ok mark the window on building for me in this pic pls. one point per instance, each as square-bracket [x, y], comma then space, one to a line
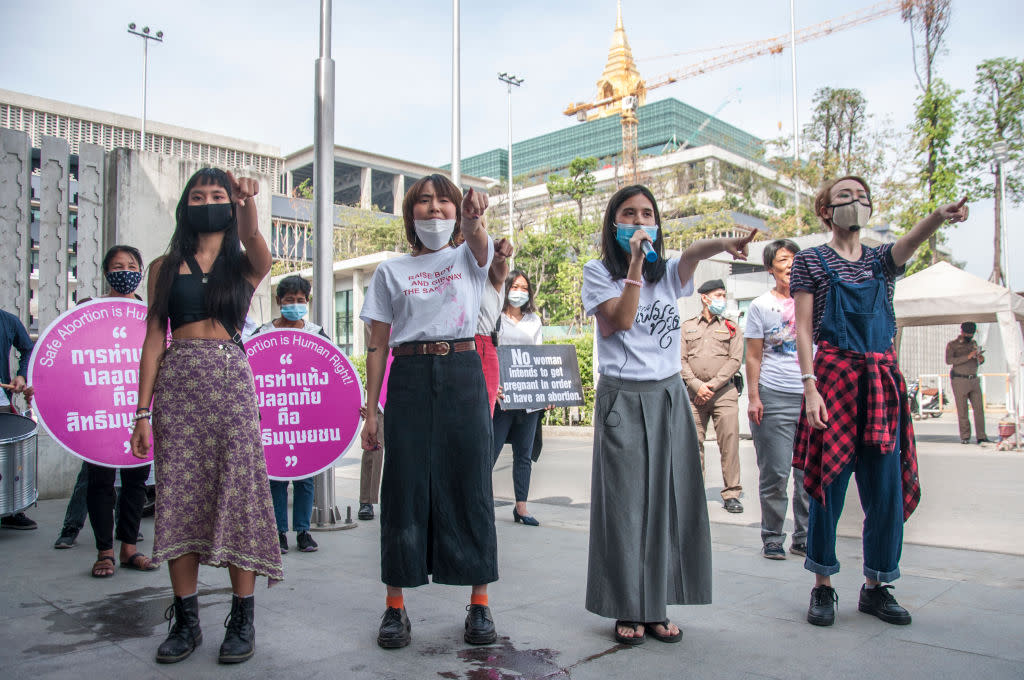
[343, 320]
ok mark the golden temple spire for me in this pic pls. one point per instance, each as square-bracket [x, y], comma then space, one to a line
[620, 77]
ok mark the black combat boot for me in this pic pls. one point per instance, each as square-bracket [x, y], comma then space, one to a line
[240, 638]
[184, 635]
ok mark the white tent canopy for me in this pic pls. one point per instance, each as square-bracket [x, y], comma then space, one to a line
[943, 294]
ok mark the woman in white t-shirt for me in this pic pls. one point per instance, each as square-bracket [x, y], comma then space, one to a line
[437, 505]
[650, 544]
[520, 325]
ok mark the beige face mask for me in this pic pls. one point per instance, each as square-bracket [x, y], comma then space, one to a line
[851, 216]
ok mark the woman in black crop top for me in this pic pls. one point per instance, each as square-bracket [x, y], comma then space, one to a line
[213, 503]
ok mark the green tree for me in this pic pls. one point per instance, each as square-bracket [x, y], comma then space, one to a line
[553, 258]
[578, 185]
[935, 114]
[996, 113]
[836, 131]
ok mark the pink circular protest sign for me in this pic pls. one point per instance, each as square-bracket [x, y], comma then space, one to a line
[309, 396]
[85, 373]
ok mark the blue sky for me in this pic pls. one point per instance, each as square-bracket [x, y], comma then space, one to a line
[246, 68]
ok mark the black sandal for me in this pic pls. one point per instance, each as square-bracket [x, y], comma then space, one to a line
[97, 565]
[622, 639]
[660, 637]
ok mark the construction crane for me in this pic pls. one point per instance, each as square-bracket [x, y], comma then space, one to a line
[630, 100]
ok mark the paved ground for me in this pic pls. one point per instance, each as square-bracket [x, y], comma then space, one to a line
[963, 581]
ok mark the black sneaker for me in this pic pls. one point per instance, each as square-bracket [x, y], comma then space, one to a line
[798, 549]
[395, 629]
[733, 505]
[878, 601]
[282, 538]
[822, 611]
[365, 511]
[774, 551]
[479, 625]
[306, 542]
[18, 521]
[66, 539]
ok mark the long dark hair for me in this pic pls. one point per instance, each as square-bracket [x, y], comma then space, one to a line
[512, 276]
[614, 257]
[228, 291]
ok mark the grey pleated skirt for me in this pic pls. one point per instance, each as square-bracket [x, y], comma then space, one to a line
[650, 543]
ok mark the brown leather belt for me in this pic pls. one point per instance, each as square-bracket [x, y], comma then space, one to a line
[961, 375]
[441, 348]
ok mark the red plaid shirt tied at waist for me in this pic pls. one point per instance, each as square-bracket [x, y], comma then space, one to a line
[822, 454]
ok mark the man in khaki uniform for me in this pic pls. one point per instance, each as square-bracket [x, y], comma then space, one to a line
[712, 348]
[964, 357]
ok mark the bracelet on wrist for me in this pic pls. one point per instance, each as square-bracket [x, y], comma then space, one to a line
[142, 416]
[633, 282]
[808, 376]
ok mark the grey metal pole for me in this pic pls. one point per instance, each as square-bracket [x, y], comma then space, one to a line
[146, 37]
[796, 119]
[145, 78]
[325, 512]
[1003, 232]
[509, 81]
[456, 103]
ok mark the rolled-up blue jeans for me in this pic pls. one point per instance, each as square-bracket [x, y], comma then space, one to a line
[880, 486]
[302, 503]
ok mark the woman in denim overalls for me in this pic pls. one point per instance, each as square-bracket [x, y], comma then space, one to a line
[856, 420]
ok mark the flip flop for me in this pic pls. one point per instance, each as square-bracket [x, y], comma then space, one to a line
[650, 628]
[133, 563]
[96, 565]
[622, 639]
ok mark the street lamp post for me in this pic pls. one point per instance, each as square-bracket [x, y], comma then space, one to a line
[1000, 154]
[509, 81]
[146, 37]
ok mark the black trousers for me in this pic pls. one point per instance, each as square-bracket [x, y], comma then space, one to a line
[101, 496]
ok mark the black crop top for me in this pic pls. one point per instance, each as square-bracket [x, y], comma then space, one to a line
[187, 302]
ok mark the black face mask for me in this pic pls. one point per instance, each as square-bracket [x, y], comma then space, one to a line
[211, 217]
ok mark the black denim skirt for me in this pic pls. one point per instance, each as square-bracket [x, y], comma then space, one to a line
[436, 501]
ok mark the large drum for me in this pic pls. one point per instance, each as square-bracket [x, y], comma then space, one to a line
[18, 463]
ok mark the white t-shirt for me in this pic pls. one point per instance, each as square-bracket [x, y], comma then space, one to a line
[435, 296]
[525, 332]
[490, 309]
[774, 321]
[308, 327]
[649, 350]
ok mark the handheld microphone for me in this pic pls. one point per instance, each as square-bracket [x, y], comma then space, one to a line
[648, 251]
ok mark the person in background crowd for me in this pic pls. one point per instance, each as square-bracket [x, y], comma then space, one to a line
[856, 418]
[712, 351]
[650, 543]
[122, 267]
[776, 400]
[293, 298]
[437, 504]
[213, 503]
[520, 325]
[13, 334]
[964, 358]
[488, 324]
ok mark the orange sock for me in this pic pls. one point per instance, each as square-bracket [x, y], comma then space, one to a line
[478, 599]
[397, 602]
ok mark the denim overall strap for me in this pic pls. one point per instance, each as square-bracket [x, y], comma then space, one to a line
[858, 316]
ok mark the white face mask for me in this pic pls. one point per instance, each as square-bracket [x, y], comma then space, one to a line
[517, 298]
[852, 215]
[434, 234]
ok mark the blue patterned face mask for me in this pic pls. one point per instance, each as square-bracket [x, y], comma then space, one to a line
[624, 232]
[124, 281]
[294, 312]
